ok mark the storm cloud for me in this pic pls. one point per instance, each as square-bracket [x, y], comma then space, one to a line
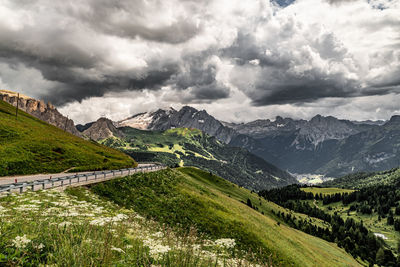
[201, 52]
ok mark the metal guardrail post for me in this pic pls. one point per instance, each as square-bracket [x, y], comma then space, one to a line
[43, 186]
[33, 187]
[95, 176]
[21, 189]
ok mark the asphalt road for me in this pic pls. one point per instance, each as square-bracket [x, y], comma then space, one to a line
[29, 178]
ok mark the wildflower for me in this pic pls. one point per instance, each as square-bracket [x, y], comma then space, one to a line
[225, 242]
[117, 250]
[40, 246]
[158, 234]
[21, 241]
[64, 224]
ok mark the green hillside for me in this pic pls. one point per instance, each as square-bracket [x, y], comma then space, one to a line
[188, 197]
[29, 145]
[365, 179]
[191, 147]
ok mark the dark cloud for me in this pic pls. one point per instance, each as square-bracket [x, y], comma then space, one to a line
[89, 48]
[198, 74]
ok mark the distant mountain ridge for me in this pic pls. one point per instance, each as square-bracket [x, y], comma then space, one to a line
[189, 117]
[192, 147]
[318, 145]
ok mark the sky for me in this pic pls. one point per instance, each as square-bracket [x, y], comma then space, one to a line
[239, 60]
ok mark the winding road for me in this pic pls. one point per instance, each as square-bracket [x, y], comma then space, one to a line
[61, 180]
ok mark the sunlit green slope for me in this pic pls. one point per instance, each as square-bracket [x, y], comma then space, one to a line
[189, 197]
[29, 145]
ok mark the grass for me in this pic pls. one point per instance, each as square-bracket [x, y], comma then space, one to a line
[326, 190]
[189, 197]
[29, 146]
[77, 228]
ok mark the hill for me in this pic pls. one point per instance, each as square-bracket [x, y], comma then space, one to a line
[29, 145]
[188, 197]
[192, 147]
[365, 179]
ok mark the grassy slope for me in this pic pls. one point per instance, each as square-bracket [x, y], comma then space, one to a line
[360, 180]
[189, 196]
[191, 147]
[29, 145]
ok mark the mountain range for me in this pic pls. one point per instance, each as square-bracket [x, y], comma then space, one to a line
[321, 145]
[192, 147]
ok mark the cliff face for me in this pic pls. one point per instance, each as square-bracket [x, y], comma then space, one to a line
[41, 110]
[103, 128]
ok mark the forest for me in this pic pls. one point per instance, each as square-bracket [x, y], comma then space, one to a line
[352, 235]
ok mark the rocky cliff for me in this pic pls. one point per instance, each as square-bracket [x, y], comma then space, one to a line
[186, 117]
[41, 110]
[101, 129]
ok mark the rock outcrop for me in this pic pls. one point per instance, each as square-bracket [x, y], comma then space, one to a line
[41, 110]
[101, 129]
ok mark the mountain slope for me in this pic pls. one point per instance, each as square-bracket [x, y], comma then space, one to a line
[29, 145]
[377, 149]
[101, 129]
[41, 110]
[191, 147]
[190, 197]
[299, 146]
[365, 179]
[187, 117]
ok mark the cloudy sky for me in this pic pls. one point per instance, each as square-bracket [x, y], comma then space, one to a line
[239, 60]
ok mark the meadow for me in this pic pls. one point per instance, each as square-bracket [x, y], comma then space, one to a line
[77, 228]
[186, 197]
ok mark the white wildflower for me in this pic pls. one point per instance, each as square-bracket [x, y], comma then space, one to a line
[117, 249]
[64, 224]
[21, 241]
[225, 242]
[40, 246]
[158, 234]
[31, 207]
[155, 246]
[137, 216]
[119, 217]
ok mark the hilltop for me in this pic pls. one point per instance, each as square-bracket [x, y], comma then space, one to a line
[29, 146]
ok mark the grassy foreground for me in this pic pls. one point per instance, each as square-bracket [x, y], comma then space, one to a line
[189, 197]
[29, 146]
[77, 228]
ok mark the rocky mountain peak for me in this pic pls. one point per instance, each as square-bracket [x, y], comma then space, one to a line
[395, 119]
[101, 129]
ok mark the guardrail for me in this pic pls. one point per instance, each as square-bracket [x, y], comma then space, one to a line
[74, 179]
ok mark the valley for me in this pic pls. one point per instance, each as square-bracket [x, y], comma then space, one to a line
[224, 203]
